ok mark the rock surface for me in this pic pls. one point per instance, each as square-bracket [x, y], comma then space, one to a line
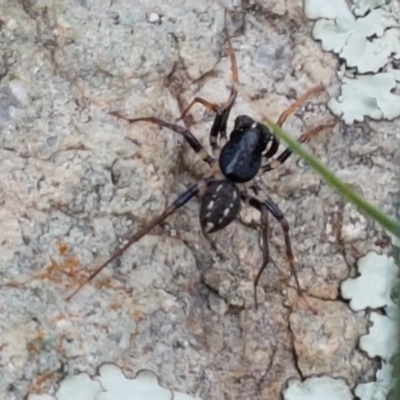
[76, 181]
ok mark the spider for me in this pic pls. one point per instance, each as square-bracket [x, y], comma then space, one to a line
[235, 162]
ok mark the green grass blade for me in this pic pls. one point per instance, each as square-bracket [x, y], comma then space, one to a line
[366, 208]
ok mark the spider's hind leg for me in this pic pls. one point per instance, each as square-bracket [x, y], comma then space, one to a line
[265, 207]
[178, 203]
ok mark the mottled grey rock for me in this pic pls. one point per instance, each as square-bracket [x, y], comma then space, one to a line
[76, 182]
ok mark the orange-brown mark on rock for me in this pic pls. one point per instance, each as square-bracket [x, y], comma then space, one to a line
[114, 306]
[137, 314]
[71, 267]
[62, 248]
[43, 383]
[105, 283]
[33, 347]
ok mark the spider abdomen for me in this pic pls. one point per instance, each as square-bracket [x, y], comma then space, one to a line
[220, 205]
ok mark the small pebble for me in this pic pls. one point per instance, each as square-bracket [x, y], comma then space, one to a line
[153, 18]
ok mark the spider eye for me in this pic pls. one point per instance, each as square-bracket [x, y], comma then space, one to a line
[219, 206]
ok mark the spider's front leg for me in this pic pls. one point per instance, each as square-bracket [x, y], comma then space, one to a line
[218, 129]
[188, 136]
[298, 103]
[304, 138]
[265, 207]
[273, 164]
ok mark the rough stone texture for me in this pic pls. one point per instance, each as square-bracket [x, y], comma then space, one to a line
[326, 344]
[76, 181]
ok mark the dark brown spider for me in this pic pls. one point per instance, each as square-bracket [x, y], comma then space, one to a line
[240, 160]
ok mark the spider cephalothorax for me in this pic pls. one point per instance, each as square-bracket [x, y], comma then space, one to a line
[240, 160]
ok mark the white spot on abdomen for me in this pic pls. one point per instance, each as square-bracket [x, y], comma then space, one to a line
[209, 226]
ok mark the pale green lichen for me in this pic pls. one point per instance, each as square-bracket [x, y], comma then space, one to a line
[368, 41]
[378, 389]
[372, 289]
[362, 7]
[382, 337]
[111, 384]
[318, 388]
[367, 95]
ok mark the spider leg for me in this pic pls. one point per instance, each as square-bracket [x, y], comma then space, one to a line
[273, 149]
[283, 117]
[265, 240]
[179, 202]
[189, 137]
[210, 106]
[218, 129]
[305, 137]
[270, 206]
[299, 102]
